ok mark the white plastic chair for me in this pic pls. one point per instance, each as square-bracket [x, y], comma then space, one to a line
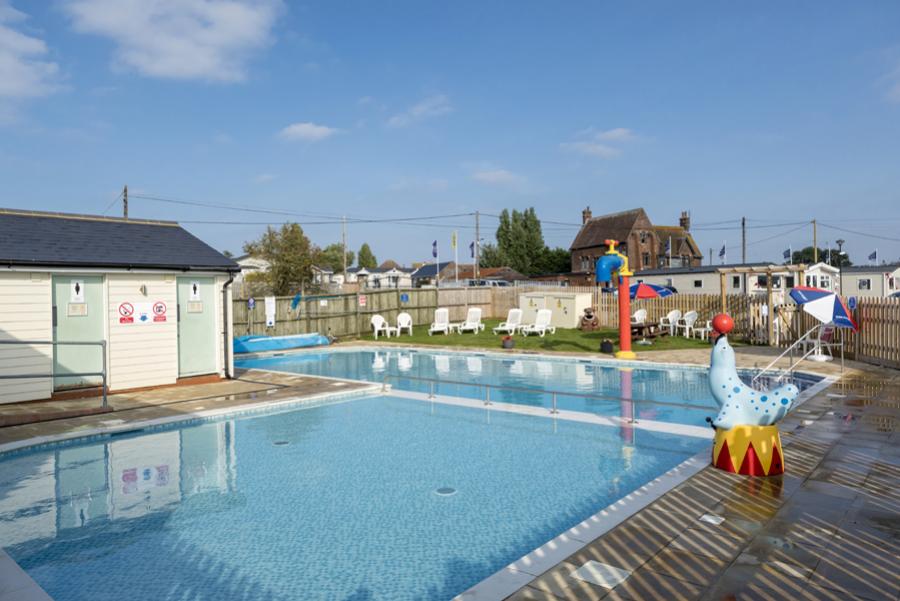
[472, 322]
[512, 324]
[380, 326]
[441, 321]
[404, 322]
[686, 323]
[702, 332]
[670, 321]
[541, 324]
[640, 316]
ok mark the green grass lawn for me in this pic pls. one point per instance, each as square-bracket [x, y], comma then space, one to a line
[564, 340]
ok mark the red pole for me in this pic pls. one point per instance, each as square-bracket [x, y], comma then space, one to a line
[624, 320]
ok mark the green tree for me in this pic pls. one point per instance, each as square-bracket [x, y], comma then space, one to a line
[520, 245]
[290, 256]
[835, 259]
[330, 257]
[227, 254]
[365, 257]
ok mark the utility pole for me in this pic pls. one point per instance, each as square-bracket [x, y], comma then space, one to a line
[477, 243]
[344, 244]
[815, 243]
[125, 202]
[743, 240]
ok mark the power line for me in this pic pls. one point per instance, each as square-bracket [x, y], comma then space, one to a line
[867, 234]
[109, 206]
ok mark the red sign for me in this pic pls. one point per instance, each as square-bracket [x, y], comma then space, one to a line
[159, 311]
[126, 313]
[128, 319]
[362, 300]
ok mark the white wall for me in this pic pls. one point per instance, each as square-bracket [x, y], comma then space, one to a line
[142, 355]
[880, 283]
[25, 314]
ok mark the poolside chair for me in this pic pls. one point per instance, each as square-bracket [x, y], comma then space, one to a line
[541, 324]
[441, 321]
[824, 340]
[512, 324]
[472, 322]
[380, 326]
[686, 323]
[702, 332]
[670, 321]
[404, 322]
[640, 316]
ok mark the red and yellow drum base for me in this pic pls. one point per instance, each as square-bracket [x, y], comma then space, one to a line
[749, 450]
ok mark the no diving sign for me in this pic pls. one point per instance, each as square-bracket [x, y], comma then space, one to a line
[126, 313]
[159, 311]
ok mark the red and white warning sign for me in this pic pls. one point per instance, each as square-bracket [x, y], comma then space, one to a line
[126, 313]
[362, 300]
[159, 311]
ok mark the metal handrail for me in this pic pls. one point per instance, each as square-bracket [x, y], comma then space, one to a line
[102, 373]
[553, 393]
[790, 350]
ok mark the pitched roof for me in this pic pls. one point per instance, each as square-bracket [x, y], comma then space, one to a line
[696, 269]
[679, 236]
[65, 240]
[885, 268]
[428, 270]
[615, 226]
[490, 273]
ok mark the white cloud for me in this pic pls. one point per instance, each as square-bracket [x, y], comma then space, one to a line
[208, 40]
[433, 106]
[24, 70]
[307, 131]
[599, 143]
[592, 149]
[498, 177]
[264, 178]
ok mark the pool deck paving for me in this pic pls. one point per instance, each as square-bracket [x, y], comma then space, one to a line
[827, 529]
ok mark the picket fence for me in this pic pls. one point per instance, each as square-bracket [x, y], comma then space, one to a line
[343, 315]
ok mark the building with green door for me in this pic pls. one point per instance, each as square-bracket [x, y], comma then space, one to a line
[144, 301]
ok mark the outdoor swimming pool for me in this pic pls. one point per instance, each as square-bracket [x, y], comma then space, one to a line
[667, 394]
[366, 498]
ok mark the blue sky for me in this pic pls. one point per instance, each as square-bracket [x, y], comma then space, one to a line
[780, 112]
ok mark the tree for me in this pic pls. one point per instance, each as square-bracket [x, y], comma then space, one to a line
[290, 257]
[520, 245]
[365, 258]
[330, 257]
[227, 254]
[832, 258]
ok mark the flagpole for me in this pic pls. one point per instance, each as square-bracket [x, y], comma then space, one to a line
[456, 256]
[437, 267]
[670, 251]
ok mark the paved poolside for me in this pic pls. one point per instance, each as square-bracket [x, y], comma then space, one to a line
[827, 529]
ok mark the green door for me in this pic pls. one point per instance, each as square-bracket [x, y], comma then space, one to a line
[78, 314]
[196, 326]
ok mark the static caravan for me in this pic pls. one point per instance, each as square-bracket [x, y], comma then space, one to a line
[871, 280]
[144, 301]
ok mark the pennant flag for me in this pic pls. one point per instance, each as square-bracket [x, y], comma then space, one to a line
[722, 252]
[669, 245]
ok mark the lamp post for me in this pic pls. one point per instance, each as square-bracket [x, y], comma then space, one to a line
[840, 243]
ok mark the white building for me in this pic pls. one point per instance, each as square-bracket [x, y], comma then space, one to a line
[158, 297]
[391, 277]
[249, 265]
[705, 279]
[871, 280]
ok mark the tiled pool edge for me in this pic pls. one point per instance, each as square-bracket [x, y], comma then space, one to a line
[205, 415]
[506, 581]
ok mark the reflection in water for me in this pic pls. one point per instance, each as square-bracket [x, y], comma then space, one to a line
[52, 495]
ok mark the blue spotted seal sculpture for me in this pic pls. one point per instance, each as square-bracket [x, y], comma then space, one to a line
[739, 404]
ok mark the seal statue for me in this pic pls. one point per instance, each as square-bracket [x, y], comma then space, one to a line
[738, 403]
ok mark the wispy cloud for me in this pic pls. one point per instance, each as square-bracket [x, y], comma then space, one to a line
[24, 70]
[498, 177]
[210, 40]
[893, 85]
[307, 131]
[264, 178]
[602, 144]
[433, 106]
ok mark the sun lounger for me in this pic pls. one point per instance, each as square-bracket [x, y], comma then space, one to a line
[441, 322]
[541, 324]
[512, 324]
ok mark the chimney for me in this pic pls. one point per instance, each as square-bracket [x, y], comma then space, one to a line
[585, 215]
[685, 221]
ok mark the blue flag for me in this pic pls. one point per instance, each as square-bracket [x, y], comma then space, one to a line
[295, 301]
[472, 249]
[434, 249]
[873, 256]
[722, 252]
[786, 254]
[669, 245]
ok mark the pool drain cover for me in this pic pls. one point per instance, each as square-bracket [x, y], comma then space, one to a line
[445, 491]
[280, 443]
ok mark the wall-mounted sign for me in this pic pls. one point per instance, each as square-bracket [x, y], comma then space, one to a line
[323, 302]
[362, 300]
[404, 298]
[76, 310]
[126, 313]
[195, 307]
[195, 291]
[851, 303]
[251, 302]
[76, 291]
[270, 311]
[159, 311]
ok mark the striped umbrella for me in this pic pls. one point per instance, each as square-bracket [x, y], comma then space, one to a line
[642, 290]
[824, 305]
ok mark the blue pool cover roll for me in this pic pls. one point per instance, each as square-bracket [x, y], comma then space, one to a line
[259, 344]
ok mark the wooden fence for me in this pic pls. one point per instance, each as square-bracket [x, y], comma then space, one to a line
[340, 315]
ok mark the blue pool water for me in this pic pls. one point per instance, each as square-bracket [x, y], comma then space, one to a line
[331, 502]
[670, 395]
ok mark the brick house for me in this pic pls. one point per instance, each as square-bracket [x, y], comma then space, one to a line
[646, 246]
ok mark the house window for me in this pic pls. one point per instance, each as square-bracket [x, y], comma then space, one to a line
[864, 284]
[585, 263]
[645, 260]
[824, 282]
[735, 281]
[762, 281]
[891, 283]
[643, 237]
[789, 281]
[698, 283]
